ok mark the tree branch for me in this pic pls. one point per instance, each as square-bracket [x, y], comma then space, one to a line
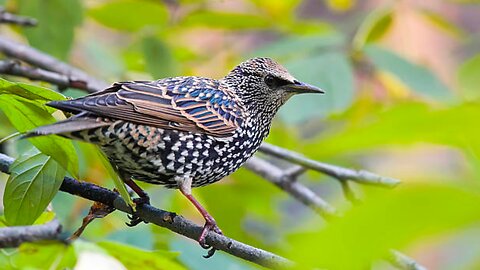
[39, 59]
[287, 183]
[166, 219]
[403, 262]
[9, 18]
[15, 68]
[340, 173]
[14, 236]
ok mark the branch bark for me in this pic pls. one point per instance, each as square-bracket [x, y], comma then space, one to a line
[287, 183]
[403, 262]
[167, 220]
[39, 59]
[14, 236]
[340, 173]
[15, 68]
[9, 18]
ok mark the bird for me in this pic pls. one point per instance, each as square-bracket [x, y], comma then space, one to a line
[181, 132]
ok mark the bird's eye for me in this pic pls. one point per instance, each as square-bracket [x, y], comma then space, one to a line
[270, 81]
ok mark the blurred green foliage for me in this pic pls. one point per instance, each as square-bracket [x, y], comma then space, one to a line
[57, 20]
[383, 221]
[402, 88]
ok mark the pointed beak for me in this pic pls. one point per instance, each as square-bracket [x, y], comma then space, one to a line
[298, 87]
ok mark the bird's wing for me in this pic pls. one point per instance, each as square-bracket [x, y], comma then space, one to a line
[183, 103]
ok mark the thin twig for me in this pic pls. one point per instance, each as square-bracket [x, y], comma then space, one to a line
[360, 176]
[9, 18]
[285, 182]
[39, 59]
[13, 67]
[167, 220]
[14, 236]
[404, 262]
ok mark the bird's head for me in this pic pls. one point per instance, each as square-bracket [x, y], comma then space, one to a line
[264, 85]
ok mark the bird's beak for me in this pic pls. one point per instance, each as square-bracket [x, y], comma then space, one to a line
[298, 87]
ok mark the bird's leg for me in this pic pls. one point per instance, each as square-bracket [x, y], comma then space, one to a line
[143, 199]
[210, 223]
[143, 196]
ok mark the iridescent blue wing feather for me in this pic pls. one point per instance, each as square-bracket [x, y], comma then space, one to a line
[183, 103]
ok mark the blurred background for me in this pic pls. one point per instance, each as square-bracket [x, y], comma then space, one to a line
[402, 82]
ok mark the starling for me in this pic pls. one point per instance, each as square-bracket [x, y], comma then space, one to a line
[181, 132]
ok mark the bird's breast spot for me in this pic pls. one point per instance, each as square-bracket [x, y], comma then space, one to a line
[171, 166]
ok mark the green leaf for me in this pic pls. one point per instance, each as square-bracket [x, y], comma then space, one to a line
[385, 220]
[104, 60]
[135, 258]
[469, 78]
[28, 91]
[130, 15]
[374, 27]
[119, 184]
[295, 46]
[34, 180]
[5, 259]
[329, 71]
[277, 10]
[25, 115]
[307, 27]
[158, 57]
[45, 217]
[224, 20]
[416, 77]
[375, 126]
[443, 23]
[341, 5]
[57, 20]
[48, 255]
[465, 1]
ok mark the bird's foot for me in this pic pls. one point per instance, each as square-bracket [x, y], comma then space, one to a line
[210, 225]
[134, 218]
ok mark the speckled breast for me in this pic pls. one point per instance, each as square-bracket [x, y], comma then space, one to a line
[156, 155]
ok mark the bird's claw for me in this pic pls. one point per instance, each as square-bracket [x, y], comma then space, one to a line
[134, 218]
[209, 226]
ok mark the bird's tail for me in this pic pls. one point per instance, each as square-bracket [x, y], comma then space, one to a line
[68, 126]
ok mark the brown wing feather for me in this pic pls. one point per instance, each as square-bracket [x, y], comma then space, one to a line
[183, 103]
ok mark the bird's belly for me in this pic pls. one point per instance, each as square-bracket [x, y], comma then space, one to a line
[156, 155]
